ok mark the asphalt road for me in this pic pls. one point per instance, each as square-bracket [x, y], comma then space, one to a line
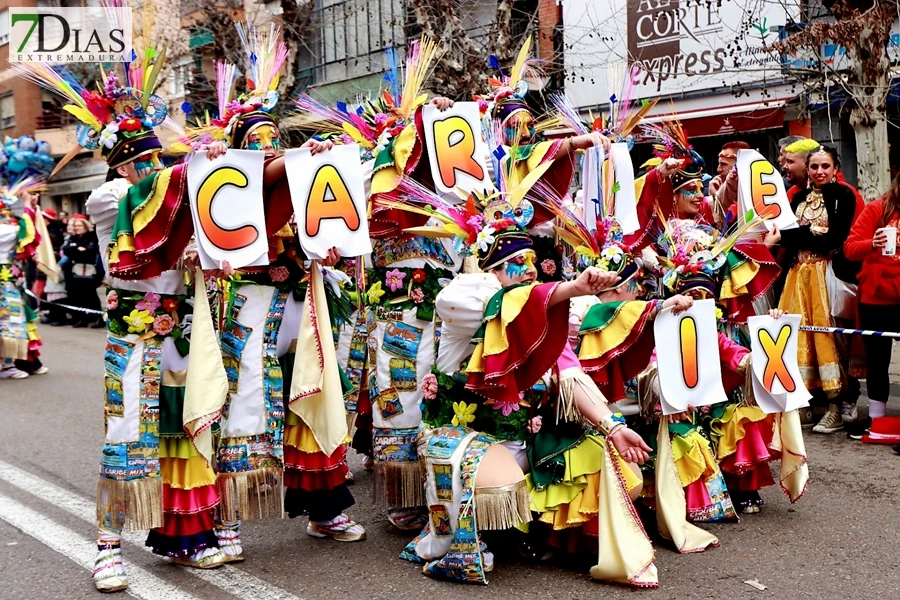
[838, 541]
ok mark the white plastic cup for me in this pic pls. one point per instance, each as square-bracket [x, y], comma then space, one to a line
[890, 248]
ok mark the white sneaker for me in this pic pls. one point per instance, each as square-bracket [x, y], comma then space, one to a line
[12, 373]
[831, 422]
[109, 570]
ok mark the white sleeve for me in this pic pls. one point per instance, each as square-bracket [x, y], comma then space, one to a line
[460, 306]
[578, 308]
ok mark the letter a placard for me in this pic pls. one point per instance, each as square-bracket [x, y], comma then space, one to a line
[456, 148]
[687, 356]
[777, 383]
[227, 206]
[761, 189]
[329, 200]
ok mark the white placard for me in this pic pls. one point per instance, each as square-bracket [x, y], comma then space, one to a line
[456, 148]
[761, 188]
[777, 383]
[625, 209]
[592, 186]
[329, 199]
[687, 355]
[226, 197]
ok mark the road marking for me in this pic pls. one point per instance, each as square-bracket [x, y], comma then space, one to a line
[141, 584]
[234, 581]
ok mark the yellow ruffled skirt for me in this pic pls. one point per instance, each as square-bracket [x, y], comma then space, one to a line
[805, 293]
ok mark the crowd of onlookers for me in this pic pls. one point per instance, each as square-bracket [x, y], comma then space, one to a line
[74, 300]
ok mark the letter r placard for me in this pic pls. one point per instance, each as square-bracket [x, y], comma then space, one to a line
[457, 152]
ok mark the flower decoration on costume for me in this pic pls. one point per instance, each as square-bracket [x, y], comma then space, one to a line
[418, 276]
[394, 279]
[169, 305]
[163, 324]
[429, 386]
[506, 408]
[485, 238]
[108, 136]
[138, 321]
[279, 273]
[112, 300]
[150, 302]
[463, 413]
[375, 293]
[548, 267]
[417, 296]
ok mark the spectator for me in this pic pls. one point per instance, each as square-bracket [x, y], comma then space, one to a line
[783, 143]
[55, 292]
[727, 159]
[824, 211]
[63, 217]
[879, 290]
[82, 275]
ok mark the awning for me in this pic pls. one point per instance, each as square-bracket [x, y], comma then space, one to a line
[75, 186]
[729, 119]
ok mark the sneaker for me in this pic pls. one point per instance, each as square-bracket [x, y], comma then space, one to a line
[41, 371]
[849, 413]
[208, 558]
[407, 519]
[856, 430]
[109, 570]
[12, 373]
[806, 417]
[369, 464]
[341, 529]
[487, 558]
[349, 479]
[897, 449]
[830, 423]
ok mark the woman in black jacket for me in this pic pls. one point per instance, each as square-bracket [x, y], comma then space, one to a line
[824, 213]
[82, 273]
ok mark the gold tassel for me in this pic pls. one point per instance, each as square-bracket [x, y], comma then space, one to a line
[502, 507]
[399, 484]
[14, 348]
[251, 495]
[138, 501]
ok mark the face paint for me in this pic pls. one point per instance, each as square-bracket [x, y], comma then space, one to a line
[264, 137]
[147, 164]
[520, 265]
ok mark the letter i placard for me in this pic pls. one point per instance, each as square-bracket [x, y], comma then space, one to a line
[329, 199]
[456, 149]
[227, 208]
[687, 356]
[777, 383]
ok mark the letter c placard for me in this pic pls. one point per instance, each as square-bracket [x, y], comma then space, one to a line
[225, 239]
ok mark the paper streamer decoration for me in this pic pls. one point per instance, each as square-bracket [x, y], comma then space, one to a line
[329, 198]
[625, 207]
[761, 189]
[687, 354]
[226, 199]
[777, 383]
[456, 149]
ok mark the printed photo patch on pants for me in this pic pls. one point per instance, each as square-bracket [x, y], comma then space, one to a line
[440, 520]
[389, 403]
[443, 481]
[402, 339]
[403, 374]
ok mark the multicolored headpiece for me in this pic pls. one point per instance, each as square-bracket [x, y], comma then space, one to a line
[670, 141]
[694, 258]
[507, 95]
[9, 194]
[119, 119]
[240, 116]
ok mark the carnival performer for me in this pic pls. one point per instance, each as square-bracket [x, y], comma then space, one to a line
[259, 449]
[20, 239]
[151, 476]
[816, 267]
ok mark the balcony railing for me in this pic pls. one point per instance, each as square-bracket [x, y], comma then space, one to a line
[55, 120]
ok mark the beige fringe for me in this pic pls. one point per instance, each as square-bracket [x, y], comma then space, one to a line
[251, 495]
[14, 348]
[502, 507]
[566, 407]
[138, 501]
[399, 484]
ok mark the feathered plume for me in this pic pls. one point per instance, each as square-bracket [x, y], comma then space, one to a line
[420, 57]
[266, 53]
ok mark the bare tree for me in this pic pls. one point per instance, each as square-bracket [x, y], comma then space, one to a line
[865, 81]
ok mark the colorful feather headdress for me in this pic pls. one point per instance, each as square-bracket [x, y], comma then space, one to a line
[375, 121]
[9, 194]
[670, 141]
[507, 95]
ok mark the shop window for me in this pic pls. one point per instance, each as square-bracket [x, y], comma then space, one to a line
[7, 111]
